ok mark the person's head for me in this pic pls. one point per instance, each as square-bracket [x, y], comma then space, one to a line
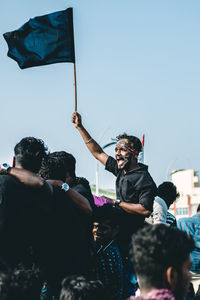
[23, 284]
[127, 150]
[105, 224]
[198, 209]
[161, 256]
[79, 288]
[5, 272]
[59, 165]
[29, 153]
[168, 192]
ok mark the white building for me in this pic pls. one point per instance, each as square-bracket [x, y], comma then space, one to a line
[188, 185]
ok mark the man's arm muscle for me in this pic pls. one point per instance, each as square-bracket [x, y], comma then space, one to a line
[91, 144]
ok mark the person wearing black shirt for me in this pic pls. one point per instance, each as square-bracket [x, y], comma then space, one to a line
[60, 166]
[67, 250]
[135, 188]
[24, 211]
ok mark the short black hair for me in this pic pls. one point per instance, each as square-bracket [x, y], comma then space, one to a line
[132, 140]
[168, 192]
[157, 247]
[198, 208]
[107, 212]
[57, 164]
[30, 152]
[79, 288]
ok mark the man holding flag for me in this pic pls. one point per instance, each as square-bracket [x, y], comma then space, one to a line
[135, 188]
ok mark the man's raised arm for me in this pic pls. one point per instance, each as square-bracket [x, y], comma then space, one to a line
[93, 147]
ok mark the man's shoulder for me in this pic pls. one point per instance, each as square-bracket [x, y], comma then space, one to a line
[112, 250]
[185, 223]
[196, 217]
[9, 182]
[142, 178]
[160, 201]
[8, 179]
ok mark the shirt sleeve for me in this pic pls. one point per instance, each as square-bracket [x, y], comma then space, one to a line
[146, 198]
[146, 191]
[111, 165]
[159, 212]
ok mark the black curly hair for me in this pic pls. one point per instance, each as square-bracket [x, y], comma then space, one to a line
[133, 141]
[157, 247]
[23, 283]
[79, 288]
[30, 152]
[57, 164]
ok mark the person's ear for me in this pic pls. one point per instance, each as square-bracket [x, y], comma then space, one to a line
[171, 278]
[68, 178]
[14, 161]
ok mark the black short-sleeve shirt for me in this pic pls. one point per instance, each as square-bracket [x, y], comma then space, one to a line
[24, 220]
[136, 186]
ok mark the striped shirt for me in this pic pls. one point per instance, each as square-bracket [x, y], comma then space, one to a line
[171, 220]
[192, 226]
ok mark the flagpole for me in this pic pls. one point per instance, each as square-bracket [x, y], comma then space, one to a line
[75, 87]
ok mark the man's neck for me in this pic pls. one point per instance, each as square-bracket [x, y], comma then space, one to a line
[106, 244]
[133, 166]
[18, 166]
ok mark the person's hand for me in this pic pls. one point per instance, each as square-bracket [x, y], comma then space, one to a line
[108, 199]
[55, 182]
[76, 119]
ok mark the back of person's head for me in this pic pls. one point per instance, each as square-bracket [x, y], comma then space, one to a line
[79, 288]
[155, 249]
[29, 153]
[168, 192]
[24, 284]
[57, 164]
[198, 208]
[133, 142]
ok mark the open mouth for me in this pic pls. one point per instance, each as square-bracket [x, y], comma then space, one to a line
[120, 162]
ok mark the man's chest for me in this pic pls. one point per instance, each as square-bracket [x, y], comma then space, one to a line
[127, 189]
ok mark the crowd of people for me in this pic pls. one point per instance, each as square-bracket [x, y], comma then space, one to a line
[57, 243]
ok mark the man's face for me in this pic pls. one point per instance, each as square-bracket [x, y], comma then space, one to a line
[183, 281]
[103, 233]
[123, 155]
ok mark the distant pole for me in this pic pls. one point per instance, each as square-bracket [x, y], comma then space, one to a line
[75, 87]
[97, 178]
[168, 168]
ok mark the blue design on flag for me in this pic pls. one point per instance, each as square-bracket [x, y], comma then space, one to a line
[43, 40]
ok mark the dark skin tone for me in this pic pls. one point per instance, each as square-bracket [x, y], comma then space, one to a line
[103, 232]
[120, 154]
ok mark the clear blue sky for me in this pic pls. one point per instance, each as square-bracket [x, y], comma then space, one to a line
[138, 71]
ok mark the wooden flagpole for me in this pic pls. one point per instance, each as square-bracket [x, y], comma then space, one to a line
[75, 87]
